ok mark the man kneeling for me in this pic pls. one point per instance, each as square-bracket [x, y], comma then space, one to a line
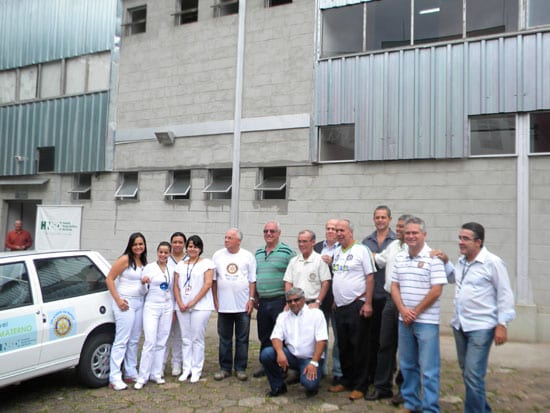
[298, 341]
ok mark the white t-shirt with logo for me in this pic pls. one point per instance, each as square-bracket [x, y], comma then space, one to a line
[233, 274]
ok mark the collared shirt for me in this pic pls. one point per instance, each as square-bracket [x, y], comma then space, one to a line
[329, 250]
[386, 259]
[270, 270]
[416, 276]
[16, 239]
[483, 296]
[307, 274]
[371, 242]
[350, 267]
[300, 332]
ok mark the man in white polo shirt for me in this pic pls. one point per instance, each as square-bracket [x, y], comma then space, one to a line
[417, 283]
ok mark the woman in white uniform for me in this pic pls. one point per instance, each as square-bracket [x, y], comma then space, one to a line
[192, 289]
[157, 317]
[127, 293]
[178, 241]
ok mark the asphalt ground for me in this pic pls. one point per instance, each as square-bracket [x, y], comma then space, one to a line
[518, 380]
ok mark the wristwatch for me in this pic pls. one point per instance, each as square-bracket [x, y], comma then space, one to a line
[318, 301]
[314, 363]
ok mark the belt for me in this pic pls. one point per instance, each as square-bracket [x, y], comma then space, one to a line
[271, 298]
[310, 301]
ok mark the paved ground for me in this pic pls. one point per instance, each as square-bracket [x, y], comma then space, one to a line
[518, 381]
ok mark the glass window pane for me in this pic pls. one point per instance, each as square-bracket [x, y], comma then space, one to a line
[540, 132]
[75, 82]
[437, 20]
[50, 80]
[7, 86]
[538, 12]
[99, 66]
[388, 24]
[491, 16]
[337, 143]
[15, 290]
[342, 30]
[493, 135]
[27, 87]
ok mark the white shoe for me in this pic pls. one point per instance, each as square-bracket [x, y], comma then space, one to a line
[195, 377]
[118, 385]
[184, 376]
[138, 385]
[158, 380]
[176, 371]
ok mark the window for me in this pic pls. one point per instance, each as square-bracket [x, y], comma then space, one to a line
[225, 7]
[28, 81]
[272, 183]
[273, 3]
[538, 13]
[342, 30]
[46, 159]
[219, 186]
[68, 277]
[83, 187]
[493, 135]
[539, 132]
[137, 18]
[188, 11]
[75, 76]
[482, 20]
[50, 80]
[99, 71]
[128, 187]
[336, 143]
[180, 185]
[388, 24]
[436, 20]
[15, 290]
[8, 80]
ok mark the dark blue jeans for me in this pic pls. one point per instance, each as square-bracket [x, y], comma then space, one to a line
[268, 310]
[268, 358]
[227, 324]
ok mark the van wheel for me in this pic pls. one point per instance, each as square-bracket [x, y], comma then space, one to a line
[93, 369]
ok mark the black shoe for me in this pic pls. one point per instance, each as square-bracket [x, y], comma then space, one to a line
[311, 393]
[336, 380]
[277, 392]
[397, 399]
[259, 373]
[377, 395]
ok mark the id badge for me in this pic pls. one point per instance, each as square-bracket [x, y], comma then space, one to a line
[187, 290]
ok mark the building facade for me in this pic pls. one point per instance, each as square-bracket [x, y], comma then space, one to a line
[224, 112]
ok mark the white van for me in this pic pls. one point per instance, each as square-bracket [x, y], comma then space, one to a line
[55, 313]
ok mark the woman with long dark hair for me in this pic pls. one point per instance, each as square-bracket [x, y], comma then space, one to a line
[126, 287]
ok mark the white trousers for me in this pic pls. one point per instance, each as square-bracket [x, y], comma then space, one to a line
[128, 332]
[157, 318]
[174, 342]
[193, 327]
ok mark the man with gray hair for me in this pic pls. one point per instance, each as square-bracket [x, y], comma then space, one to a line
[417, 283]
[233, 290]
[308, 271]
[298, 341]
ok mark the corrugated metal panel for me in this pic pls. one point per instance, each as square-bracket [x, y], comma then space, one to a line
[76, 126]
[35, 31]
[415, 103]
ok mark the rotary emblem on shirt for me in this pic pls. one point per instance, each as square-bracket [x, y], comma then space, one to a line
[420, 264]
[232, 268]
[312, 276]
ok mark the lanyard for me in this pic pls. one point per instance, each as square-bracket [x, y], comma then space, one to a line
[189, 273]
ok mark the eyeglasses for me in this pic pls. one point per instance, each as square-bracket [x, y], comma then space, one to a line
[462, 238]
[293, 300]
[270, 231]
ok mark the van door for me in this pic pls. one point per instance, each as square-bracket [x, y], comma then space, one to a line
[21, 323]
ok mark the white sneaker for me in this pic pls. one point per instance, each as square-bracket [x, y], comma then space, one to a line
[158, 380]
[138, 385]
[195, 377]
[184, 376]
[118, 385]
[176, 371]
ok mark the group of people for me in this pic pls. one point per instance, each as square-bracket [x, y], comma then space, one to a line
[381, 296]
